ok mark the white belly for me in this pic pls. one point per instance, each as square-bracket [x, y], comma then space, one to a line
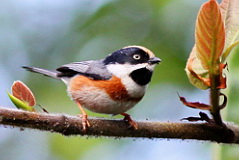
[98, 101]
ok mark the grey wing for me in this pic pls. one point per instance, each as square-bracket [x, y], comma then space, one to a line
[93, 69]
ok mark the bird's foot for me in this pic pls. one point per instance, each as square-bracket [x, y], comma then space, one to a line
[132, 124]
[85, 122]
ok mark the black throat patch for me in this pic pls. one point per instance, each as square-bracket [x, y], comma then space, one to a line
[141, 76]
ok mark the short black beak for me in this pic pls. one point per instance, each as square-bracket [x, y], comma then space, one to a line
[154, 60]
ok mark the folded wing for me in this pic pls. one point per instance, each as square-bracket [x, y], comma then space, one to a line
[93, 69]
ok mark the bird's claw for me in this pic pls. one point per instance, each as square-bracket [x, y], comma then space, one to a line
[85, 122]
[130, 121]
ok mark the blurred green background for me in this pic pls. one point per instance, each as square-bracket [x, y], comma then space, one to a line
[48, 34]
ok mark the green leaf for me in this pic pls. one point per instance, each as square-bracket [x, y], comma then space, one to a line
[20, 104]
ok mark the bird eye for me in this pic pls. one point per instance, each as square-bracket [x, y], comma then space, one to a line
[136, 56]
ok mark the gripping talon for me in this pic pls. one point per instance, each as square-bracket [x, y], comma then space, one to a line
[85, 122]
[84, 117]
[130, 121]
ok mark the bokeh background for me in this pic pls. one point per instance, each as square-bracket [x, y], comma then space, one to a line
[48, 34]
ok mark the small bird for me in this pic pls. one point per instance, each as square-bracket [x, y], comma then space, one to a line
[112, 85]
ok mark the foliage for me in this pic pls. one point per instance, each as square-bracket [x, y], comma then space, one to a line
[216, 34]
[22, 96]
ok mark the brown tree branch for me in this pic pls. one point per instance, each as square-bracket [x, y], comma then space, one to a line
[71, 125]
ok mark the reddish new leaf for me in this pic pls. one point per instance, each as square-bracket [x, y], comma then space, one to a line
[210, 34]
[197, 105]
[23, 93]
[195, 78]
[230, 14]
[204, 60]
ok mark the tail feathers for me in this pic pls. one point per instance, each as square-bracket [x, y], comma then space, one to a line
[45, 72]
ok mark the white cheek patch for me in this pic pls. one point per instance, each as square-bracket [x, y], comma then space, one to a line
[123, 71]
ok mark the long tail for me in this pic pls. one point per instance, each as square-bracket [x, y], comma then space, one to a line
[45, 72]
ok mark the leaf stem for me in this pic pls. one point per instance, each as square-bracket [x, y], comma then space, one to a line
[215, 98]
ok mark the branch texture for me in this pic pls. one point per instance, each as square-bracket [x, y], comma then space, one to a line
[71, 125]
